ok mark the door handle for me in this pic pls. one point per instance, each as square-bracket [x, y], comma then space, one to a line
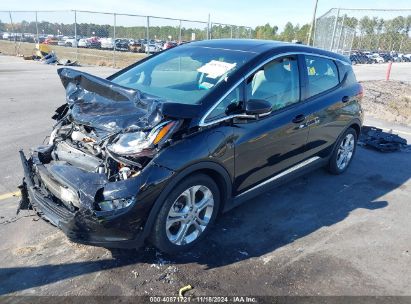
[345, 99]
[299, 118]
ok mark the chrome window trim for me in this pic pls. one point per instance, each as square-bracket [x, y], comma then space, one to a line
[202, 121]
[282, 174]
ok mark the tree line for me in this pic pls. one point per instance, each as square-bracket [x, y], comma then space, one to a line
[266, 31]
[370, 32]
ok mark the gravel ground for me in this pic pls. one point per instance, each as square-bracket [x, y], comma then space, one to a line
[317, 235]
[388, 100]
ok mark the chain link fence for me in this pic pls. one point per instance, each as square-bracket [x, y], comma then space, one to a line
[100, 38]
[366, 30]
[219, 30]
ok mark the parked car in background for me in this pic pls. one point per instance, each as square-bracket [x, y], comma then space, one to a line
[376, 58]
[94, 43]
[40, 39]
[71, 41]
[117, 172]
[354, 59]
[121, 44]
[150, 48]
[107, 43]
[360, 58]
[62, 41]
[387, 57]
[169, 45]
[51, 41]
[135, 46]
[83, 43]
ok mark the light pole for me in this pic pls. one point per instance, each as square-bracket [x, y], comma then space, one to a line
[312, 23]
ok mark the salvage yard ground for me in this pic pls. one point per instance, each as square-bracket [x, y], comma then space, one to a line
[83, 55]
[318, 235]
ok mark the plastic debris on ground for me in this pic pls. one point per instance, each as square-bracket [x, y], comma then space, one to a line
[183, 290]
[382, 141]
[44, 54]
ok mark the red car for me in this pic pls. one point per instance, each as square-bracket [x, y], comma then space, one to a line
[51, 41]
[169, 45]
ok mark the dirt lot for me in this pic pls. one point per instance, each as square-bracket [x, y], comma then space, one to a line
[318, 235]
[388, 100]
[82, 55]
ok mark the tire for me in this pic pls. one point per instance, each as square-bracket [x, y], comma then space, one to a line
[346, 145]
[169, 237]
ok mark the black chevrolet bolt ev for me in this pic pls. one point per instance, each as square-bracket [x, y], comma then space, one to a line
[159, 149]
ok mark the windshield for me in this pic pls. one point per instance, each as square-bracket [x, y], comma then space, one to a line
[183, 74]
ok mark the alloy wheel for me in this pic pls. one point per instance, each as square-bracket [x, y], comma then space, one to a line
[189, 215]
[345, 151]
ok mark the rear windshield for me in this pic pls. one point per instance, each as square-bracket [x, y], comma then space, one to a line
[184, 74]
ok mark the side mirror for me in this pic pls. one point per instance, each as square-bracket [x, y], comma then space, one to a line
[257, 107]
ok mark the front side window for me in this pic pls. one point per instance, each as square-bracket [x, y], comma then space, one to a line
[276, 82]
[184, 74]
[322, 74]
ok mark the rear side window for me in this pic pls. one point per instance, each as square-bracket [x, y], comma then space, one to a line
[322, 74]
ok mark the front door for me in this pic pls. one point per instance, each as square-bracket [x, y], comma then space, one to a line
[271, 144]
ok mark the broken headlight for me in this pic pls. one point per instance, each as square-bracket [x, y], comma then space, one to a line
[116, 204]
[136, 142]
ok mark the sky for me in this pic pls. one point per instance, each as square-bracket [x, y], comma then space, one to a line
[240, 12]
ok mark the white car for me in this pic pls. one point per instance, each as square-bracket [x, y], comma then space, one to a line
[152, 48]
[107, 43]
[82, 43]
[71, 42]
[377, 58]
[6, 36]
[61, 42]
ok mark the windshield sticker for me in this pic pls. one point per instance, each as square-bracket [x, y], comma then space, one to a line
[215, 68]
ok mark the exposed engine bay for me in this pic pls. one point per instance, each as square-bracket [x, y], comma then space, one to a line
[108, 129]
[118, 155]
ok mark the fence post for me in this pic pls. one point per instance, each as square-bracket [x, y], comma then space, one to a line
[335, 29]
[37, 29]
[13, 33]
[343, 43]
[339, 36]
[209, 27]
[312, 24]
[402, 40]
[75, 33]
[352, 40]
[148, 34]
[114, 41]
[179, 33]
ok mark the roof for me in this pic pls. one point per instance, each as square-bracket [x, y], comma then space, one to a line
[262, 46]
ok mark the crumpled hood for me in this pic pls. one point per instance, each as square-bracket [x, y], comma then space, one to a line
[102, 104]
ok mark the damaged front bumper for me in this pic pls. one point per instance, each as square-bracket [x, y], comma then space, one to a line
[81, 221]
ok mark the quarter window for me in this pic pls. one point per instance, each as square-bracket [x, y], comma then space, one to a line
[277, 82]
[232, 100]
[322, 74]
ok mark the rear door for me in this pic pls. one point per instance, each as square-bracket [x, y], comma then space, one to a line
[331, 103]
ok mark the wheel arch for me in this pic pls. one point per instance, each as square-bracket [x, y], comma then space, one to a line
[214, 170]
[356, 126]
